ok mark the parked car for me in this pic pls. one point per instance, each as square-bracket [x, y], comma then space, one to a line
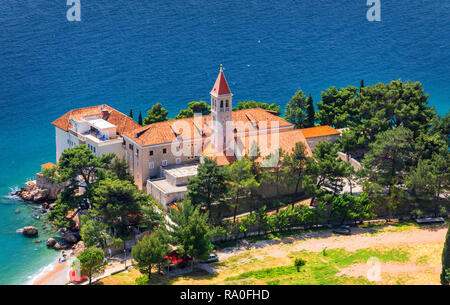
[213, 257]
[343, 230]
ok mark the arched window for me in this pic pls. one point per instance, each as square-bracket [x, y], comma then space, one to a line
[221, 104]
[226, 103]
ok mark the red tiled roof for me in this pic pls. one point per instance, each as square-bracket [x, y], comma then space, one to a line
[271, 142]
[48, 165]
[267, 144]
[190, 128]
[220, 86]
[320, 131]
[123, 122]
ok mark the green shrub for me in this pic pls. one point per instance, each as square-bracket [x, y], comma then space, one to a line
[299, 262]
[142, 280]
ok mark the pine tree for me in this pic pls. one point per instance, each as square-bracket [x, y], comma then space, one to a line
[310, 112]
[295, 111]
[140, 118]
[131, 113]
[445, 275]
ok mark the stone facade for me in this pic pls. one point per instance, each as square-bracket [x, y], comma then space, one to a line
[312, 142]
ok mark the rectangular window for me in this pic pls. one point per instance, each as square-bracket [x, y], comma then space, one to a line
[137, 152]
[178, 160]
[164, 150]
[130, 146]
[164, 163]
[137, 163]
[151, 165]
[151, 152]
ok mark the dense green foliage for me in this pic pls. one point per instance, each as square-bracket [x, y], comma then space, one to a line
[252, 104]
[338, 107]
[190, 231]
[156, 114]
[208, 186]
[296, 110]
[390, 156]
[150, 251]
[93, 233]
[310, 112]
[241, 181]
[194, 107]
[119, 167]
[78, 167]
[116, 202]
[92, 262]
[140, 121]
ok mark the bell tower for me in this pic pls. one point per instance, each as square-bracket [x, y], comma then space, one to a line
[221, 113]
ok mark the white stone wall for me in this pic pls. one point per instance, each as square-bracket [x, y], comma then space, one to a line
[64, 140]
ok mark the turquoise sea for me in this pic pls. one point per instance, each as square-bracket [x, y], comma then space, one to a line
[135, 53]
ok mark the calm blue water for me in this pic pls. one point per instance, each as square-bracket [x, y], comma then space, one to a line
[135, 53]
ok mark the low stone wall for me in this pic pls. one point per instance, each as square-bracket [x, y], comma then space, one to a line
[312, 142]
[355, 164]
[45, 183]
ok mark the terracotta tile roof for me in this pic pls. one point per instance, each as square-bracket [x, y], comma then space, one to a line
[267, 143]
[220, 86]
[270, 142]
[190, 128]
[319, 131]
[123, 122]
[48, 165]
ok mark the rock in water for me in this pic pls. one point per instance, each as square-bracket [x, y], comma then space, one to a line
[30, 231]
[51, 242]
[58, 246]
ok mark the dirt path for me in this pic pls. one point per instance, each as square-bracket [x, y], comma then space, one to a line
[360, 239]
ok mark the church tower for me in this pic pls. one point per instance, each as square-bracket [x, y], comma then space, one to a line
[221, 113]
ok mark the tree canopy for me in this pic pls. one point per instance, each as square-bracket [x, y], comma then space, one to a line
[391, 154]
[208, 186]
[117, 201]
[194, 107]
[253, 104]
[190, 231]
[150, 251]
[156, 114]
[296, 110]
[92, 262]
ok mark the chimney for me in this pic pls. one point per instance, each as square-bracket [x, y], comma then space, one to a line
[105, 112]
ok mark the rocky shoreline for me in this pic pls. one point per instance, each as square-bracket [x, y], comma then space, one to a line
[70, 239]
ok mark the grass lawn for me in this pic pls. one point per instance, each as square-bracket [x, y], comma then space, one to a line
[412, 263]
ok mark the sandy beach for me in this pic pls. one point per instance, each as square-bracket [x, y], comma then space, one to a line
[57, 275]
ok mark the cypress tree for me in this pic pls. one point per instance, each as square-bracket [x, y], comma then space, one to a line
[445, 275]
[131, 113]
[140, 118]
[361, 85]
[310, 112]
